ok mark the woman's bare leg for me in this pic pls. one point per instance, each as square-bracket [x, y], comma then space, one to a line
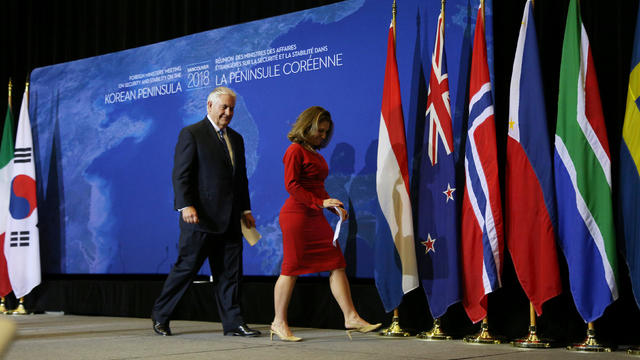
[281, 297]
[342, 293]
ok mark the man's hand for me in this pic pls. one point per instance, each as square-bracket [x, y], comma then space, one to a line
[190, 215]
[248, 220]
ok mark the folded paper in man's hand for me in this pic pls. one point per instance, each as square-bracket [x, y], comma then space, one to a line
[250, 234]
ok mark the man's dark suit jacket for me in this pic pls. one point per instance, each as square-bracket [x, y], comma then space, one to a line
[203, 177]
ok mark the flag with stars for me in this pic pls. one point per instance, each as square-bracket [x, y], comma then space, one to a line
[530, 211]
[437, 210]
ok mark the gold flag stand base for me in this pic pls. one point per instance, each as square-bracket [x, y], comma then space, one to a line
[20, 310]
[3, 308]
[435, 333]
[532, 341]
[634, 350]
[590, 344]
[394, 330]
[483, 337]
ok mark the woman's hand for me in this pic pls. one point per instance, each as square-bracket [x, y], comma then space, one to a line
[344, 215]
[328, 203]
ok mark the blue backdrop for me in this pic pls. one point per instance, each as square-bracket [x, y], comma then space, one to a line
[105, 127]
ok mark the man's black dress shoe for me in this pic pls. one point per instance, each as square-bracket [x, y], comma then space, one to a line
[161, 329]
[242, 330]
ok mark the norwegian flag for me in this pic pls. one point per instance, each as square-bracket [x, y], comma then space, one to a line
[437, 209]
[482, 237]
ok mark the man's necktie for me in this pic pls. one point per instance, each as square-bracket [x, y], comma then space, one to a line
[225, 145]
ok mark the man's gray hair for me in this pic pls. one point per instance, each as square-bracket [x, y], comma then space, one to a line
[220, 90]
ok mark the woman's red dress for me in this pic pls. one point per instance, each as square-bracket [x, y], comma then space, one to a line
[306, 235]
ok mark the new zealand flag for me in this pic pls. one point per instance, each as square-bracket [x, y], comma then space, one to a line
[437, 236]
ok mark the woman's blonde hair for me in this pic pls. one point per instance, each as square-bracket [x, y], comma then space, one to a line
[307, 123]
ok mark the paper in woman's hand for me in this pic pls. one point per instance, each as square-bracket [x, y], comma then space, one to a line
[337, 232]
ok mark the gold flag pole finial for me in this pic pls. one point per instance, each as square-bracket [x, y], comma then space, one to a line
[394, 11]
[26, 91]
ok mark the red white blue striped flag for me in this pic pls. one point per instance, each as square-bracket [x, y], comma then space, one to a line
[396, 272]
[482, 238]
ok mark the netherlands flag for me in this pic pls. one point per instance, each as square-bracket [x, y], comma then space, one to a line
[482, 238]
[396, 272]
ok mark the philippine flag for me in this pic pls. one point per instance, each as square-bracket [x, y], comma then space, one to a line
[530, 211]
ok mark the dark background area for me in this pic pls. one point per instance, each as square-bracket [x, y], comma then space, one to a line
[36, 34]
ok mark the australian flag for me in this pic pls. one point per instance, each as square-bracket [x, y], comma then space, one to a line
[437, 237]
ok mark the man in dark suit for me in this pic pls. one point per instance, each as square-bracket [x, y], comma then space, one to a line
[212, 194]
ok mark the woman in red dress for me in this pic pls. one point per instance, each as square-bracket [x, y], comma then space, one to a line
[306, 234]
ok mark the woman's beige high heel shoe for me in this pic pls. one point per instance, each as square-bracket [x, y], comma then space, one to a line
[284, 337]
[363, 329]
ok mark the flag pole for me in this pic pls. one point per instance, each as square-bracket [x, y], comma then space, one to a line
[393, 21]
[394, 330]
[435, 333]
[483, 337]
[532, 340]
[590, 344]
